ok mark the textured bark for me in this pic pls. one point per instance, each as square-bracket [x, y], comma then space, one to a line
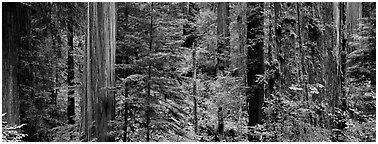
[337, 58]
[302, 67]
[13, 29]
[343, 52]
[255, 65]
[223, 36]
[326, 10]
[222, 49]
[97, 102]
[242, 22]
[70, 76]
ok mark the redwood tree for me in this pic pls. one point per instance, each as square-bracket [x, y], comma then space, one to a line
[97, 102]
[14, 26]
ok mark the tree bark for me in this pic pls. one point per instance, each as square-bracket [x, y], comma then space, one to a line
[223, 35]
[343, 54]
[242, 25]
[222, 51]
[302, 67]
[98, 103]
[336, 51]
[242, 21]
[14, 27]
[329, 63]
[71, 75]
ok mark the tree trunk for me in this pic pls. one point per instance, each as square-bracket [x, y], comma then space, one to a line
[98, 103]
[343, 54]
[329, 63]
[255, 65]
[70, 76]
[336, 51]
[148, 110]
[223, 35]
[222, 51]
[242, 23]
[302, 67]
[195, 90]
[14, 27]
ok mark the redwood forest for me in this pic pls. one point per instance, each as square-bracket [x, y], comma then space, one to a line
[188, 72]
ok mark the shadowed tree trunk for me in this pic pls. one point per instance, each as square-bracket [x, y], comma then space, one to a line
[222, 50]
[70, 76]
[255, 64]
[14, 27]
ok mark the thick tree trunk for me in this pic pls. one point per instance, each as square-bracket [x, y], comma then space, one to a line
[302, 66]
[223, 36]
[343, 54]
[222, 51]
[337, 53]
[242, 25]
[242, 22]
[329, 64]
[98, 103]
[70, 76]
[13, 29]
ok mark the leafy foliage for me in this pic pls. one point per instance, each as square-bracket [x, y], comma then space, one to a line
[152, 66]
[362, 59]
[12, 133]
[42, 63]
